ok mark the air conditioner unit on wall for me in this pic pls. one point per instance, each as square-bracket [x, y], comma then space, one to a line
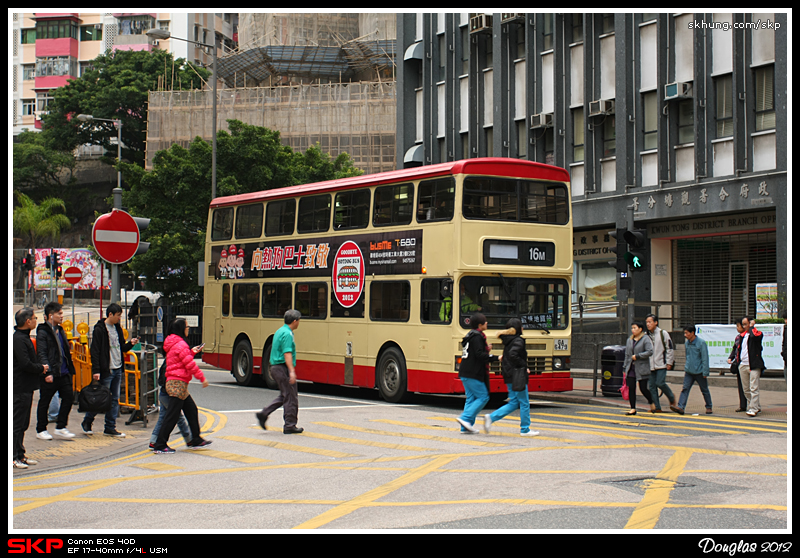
[508, 18]
[480, 23]
[543, 120]
[677, 90]
[602, 106]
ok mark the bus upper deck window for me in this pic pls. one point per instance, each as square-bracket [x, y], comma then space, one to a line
[222, 224]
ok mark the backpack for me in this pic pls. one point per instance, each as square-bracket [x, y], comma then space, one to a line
[94, 398]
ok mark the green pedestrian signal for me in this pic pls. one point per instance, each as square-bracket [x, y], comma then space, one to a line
[636, 256]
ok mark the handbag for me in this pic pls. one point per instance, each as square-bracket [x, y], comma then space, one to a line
[624, 390]
[177, 388]
[94, 398]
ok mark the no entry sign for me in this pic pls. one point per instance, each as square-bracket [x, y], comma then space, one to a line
[73, 275]
[115, 236]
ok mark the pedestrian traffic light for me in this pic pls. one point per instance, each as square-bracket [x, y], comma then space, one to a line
[619, 249]
[58, 271]
[636, 255]
[27, 262]
[142, 223]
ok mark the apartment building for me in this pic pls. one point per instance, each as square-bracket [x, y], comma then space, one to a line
[681, 116]
[51, 48]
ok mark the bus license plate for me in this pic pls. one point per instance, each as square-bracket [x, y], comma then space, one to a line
[561, 345]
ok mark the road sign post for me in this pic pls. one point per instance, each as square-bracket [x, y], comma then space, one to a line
[73, 276]
[115, 236]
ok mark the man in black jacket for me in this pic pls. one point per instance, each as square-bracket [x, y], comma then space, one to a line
[27, 372]
[53, 350]
[107, 350]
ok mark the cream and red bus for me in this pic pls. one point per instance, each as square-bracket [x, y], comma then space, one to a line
[386, 270]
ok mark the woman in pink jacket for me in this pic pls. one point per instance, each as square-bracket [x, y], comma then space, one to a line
[180, 369]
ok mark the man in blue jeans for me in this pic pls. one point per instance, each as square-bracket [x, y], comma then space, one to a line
[696, 368]
[107, 350]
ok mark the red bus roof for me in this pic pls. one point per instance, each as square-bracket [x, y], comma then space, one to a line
[488, 166]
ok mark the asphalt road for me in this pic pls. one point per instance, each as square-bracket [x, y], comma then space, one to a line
[363, 464]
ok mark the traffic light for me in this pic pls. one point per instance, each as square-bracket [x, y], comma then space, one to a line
[27, 262]
[636, 255]
[619, 249]
[142, 223]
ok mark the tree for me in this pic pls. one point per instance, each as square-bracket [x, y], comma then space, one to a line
[116, 87]
[176, 194]
[37, 165]
[39, 221]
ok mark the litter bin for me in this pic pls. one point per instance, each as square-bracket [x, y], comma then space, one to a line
[611, 360]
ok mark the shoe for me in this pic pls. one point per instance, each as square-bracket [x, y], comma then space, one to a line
[113, 433]
[676, 409]
[631, 412]
[63, 433]
[467, 426]
[656, 411]
[165, 449]
[29, 461]
[741, 410]
[487, 423]
[529, 433]
[708, 411]
[152, 445]
[20, 464]
[751, 413]
[87, 428]
[200, 444]
[293, 430]
[44, 435]
[262, 421]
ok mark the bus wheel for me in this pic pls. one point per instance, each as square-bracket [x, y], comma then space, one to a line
[266, 374]
[392, 377]
[242, 366]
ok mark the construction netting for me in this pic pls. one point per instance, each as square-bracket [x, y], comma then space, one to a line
[354, 118]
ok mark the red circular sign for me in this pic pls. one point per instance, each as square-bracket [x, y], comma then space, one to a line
[348, 274]
[73, 275]
[115, 236]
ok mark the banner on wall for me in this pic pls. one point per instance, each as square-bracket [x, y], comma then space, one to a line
[81, 258]
[720, 338]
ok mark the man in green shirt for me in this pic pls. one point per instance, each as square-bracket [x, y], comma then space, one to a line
[282, 360]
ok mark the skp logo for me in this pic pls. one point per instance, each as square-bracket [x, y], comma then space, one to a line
[30, 546]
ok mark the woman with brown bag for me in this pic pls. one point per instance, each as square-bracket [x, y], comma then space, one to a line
[180, 369]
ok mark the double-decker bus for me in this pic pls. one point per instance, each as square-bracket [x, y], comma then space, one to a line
[386, 270]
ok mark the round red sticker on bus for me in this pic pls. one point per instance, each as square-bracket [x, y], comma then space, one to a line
[348, 274]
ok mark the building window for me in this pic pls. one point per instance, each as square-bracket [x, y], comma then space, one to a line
[724, 113]
[650, 121]
[578, 135]
[609, 136]
[56, 66]
[577, 28]
[28, 106]
[57, 29]
[548, 31]
[685, 122]
[43, 101]
[136, 25]
[28, 36]
[28, 71]
[765, 99]
[92, 33]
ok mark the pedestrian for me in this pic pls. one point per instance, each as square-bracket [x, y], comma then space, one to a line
[27, 374]
[663, 359]
[514, 367]
[163, 399]
[751, 364]
[474, 372]
[733, 360]
[53, 350]
[108, 366]
[180, 370]
[283, 360]
[638, 350]
[696, 370]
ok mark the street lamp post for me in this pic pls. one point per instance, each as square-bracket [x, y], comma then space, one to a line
[163, 34]
[117, 192]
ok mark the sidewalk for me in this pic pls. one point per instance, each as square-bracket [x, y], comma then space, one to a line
[85, 450]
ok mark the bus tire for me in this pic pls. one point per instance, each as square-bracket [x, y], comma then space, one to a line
[242, 365]
[392, 377]
[266, 375]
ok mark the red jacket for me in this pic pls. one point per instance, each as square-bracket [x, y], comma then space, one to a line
[180, 360]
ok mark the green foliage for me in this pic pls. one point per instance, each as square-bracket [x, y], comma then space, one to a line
[37, 165]
[176, 195]
[37, 222]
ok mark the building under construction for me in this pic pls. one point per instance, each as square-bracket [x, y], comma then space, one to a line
[315, 78]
